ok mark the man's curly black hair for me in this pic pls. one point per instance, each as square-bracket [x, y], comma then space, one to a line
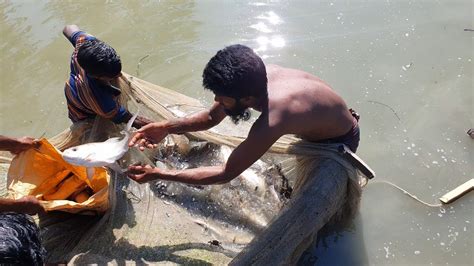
[99, 59]
[236, 71]
[19, 240]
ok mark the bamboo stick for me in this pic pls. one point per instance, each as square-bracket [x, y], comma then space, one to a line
[457, 192]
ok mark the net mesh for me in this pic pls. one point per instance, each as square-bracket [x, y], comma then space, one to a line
[296, 188]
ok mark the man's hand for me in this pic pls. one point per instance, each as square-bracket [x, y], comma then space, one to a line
[149, 136]
[141, 121]
[25, 143]
[29, 205]
[18, 145]
[142, 174]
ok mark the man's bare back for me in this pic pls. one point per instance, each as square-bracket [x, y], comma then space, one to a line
[305, 105]
[290, 101]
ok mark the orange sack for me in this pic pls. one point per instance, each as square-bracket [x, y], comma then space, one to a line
[43, 173]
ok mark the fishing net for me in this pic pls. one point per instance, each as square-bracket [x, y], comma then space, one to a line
[269, 214]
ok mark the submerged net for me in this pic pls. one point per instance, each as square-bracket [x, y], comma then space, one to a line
[172, 222]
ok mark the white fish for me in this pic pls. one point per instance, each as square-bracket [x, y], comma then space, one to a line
[98, 154]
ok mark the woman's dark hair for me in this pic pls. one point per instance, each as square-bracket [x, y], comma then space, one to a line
[99, 59]
[236, 71]
[19, 240]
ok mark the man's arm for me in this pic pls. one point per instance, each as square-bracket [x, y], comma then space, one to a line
[261, 137]
[153, 133]
[141, 121]
[73, 33]
[17, 145]
[69, 30]
[28, 205]
[196, 122]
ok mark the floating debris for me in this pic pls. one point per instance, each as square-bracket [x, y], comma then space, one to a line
[470, 132]
[139, 63]
[406, 67]
[394, 112]
[215, 243]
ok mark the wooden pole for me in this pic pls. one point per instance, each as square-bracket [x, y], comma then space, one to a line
[457, 192]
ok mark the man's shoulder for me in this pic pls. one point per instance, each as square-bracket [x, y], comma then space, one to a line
[289, 75]
[78, 37]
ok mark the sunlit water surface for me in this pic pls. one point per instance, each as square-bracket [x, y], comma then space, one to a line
[405, 66]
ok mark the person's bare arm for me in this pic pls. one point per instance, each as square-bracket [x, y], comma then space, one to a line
[196, 122]
[28, 205]
[259, 140]
[69, 30]
[17, 145]
[141, 121]
[155, 132]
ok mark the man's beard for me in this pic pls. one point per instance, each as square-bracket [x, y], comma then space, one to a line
[239, 112]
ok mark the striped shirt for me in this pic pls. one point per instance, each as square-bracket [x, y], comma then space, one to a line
[87, 98]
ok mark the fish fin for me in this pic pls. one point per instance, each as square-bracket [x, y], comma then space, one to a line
[130, 122]
[90, 156]
[90, 173]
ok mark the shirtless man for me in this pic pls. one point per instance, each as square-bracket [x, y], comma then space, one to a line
[290, 101]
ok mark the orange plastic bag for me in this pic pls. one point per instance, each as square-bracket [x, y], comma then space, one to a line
[43, 173]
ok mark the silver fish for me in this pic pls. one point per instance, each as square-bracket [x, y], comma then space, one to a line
[98, 154]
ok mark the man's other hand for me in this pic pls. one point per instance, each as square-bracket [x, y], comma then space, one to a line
[142, 174]
[29, 205]
[149, 136]
[19, 145]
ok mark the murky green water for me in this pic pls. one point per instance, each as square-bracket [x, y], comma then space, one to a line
[406, 66]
